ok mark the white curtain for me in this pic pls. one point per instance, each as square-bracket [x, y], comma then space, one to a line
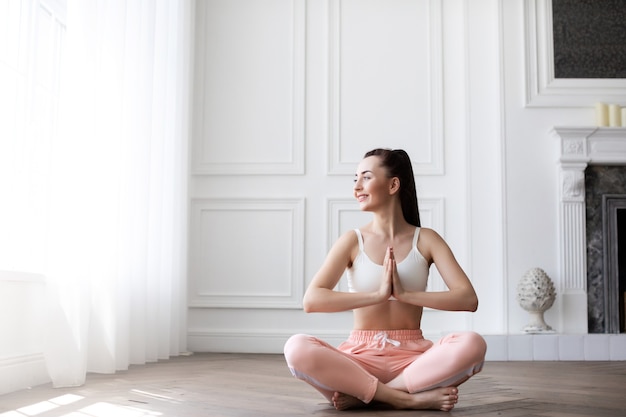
[117, 238]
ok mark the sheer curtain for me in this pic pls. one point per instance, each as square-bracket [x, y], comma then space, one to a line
[116, 240]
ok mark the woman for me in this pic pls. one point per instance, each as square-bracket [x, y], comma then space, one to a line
[386, 359]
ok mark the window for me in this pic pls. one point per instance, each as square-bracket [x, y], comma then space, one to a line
[31, 46]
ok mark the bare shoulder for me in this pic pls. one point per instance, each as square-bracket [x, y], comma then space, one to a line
[429, 236]
[346, 245]
[430, 242]
[340, 256]
[348, 238]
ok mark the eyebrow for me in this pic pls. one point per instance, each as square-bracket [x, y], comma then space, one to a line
[364, 172]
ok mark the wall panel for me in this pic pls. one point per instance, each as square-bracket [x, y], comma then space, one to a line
[247, 253]
[374, 77]
[250, 80]
[386, 82]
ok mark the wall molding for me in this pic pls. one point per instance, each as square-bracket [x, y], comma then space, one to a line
[435, 164]
[288, 298]
[18, 276]
[335, 207]
[501, 347]
[22, 294]
[542, 88]
[22, 371]
[296, 164]
[250, 340]
[432, 215]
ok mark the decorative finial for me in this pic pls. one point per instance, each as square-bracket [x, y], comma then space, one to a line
[536, 294]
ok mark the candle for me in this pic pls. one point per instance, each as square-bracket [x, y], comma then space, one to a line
[615, 117]
[602, 114]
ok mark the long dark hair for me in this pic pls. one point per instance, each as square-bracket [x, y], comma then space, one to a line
[398, 164]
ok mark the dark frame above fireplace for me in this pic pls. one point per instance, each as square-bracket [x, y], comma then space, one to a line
[588, 39]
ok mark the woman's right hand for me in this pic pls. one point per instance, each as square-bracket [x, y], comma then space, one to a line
[389, 269]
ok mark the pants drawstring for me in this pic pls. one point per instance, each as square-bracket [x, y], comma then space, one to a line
[382, 338]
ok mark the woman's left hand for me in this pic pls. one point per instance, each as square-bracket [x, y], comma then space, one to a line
[398, 290]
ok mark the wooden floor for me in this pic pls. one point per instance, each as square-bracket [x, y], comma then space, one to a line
[227, 385]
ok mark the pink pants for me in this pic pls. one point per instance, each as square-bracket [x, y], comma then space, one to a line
[369, 356]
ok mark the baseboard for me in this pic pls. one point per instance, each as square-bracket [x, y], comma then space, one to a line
[556, 347]
[23, 371]
[251, 341]
[517, 347]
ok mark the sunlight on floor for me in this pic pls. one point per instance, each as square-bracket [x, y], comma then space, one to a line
[152, 395]
[99, 409]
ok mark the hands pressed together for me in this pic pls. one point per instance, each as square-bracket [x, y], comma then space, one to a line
[390, 285]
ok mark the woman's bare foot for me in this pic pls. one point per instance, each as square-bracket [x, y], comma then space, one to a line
[343, 401]
[442, 399]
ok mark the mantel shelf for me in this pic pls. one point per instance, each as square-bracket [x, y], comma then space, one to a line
[592, 145]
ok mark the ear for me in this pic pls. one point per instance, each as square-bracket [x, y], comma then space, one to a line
[394, 187]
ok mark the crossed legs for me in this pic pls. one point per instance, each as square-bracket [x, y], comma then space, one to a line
[428, 382]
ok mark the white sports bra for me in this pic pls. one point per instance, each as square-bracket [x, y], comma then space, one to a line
[365, 276]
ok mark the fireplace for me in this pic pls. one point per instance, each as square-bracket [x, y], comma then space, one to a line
[615, 256]
[605, 203]
[592, 208]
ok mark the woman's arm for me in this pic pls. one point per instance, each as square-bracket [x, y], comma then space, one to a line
[320, 296]
[460, 295]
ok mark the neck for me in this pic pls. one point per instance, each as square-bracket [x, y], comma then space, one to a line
[389, 223]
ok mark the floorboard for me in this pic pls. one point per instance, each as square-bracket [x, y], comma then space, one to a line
[237, 385]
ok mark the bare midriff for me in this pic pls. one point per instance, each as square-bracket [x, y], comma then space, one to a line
[391, 315]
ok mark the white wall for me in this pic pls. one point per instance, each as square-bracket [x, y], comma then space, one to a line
[284, 111]
[535, 103]
[22, 318]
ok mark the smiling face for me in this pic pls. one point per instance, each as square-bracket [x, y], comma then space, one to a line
[373, 187]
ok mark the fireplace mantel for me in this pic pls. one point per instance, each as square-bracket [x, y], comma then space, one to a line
[579, 147]
[592, 145]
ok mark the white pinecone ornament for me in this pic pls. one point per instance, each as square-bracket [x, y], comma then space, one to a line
[536, 294]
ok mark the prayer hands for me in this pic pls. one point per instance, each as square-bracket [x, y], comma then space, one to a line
[397, 289]
[386, 285]
[390, 284]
